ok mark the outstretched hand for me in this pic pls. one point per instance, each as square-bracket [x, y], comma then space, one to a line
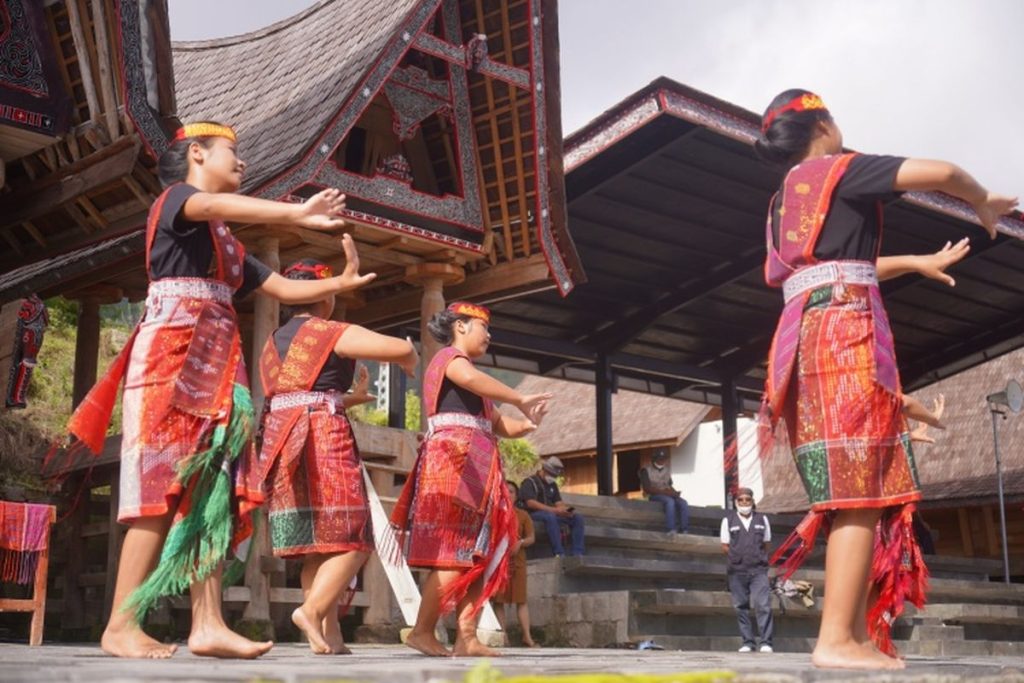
[991, 208]
[920, 433]
[320, 212]
[350, 278]
[529, 403]
[361, 388]
[934, 265]
[412, 362]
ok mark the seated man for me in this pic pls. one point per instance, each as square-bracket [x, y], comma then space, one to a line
[540, 496]
[656, 481]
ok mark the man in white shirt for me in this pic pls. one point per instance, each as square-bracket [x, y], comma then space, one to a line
[745, 535]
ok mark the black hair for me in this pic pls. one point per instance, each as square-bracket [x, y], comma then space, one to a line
[173, 164]
[289, 312]
[789, 136]
[442, 325]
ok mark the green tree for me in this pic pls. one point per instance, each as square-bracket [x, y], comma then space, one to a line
[518, 458]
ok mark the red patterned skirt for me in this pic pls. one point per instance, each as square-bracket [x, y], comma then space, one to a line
[455, 511]
[317, 497]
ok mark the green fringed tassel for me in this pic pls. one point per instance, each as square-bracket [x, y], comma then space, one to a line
[199, 542]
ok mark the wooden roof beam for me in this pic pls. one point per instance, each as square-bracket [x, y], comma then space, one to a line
[69, 183]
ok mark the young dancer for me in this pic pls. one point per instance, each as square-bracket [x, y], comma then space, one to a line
[455, 510]
[187, 412]
[317, 501]
[832, 374]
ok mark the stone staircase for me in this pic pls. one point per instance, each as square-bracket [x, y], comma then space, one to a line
[637, 583]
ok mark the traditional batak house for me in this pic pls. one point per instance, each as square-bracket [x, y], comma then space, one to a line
[439, 119]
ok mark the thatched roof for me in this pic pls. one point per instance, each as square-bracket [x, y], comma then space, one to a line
[282, 84]
[960, 466]
[637, 419]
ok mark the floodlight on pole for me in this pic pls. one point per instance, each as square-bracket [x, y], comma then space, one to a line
[1012, 398]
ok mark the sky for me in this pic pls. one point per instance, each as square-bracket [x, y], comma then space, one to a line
[935, 79]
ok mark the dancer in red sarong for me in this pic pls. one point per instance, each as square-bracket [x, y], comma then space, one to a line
[187, 412]
[455, 510]
[832, 375]
[318, 508]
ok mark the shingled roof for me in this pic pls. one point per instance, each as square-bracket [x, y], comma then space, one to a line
[279, 86]
[637, 419]
[960, 466]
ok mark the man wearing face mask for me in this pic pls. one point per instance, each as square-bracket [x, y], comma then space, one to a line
[656, 481]
[745, 535]
[542, 499]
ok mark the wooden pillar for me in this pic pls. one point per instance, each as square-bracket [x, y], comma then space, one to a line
[730, 460]
[114, 542]
[396, 403]
[256, 617]
[87, 348]
[432, 277]
[604, 387]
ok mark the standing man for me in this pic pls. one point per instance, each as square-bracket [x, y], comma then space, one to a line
[745, 535]
[656, 481]
[542, 499]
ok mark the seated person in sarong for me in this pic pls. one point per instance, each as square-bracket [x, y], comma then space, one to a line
[316, 496]
[187, 413]
[542, 499]
[455, 511]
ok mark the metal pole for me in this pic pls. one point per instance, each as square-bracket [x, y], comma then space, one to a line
[603, 421]
[1002, 508]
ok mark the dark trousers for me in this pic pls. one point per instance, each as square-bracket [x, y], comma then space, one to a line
[553, 523]
[677, 512]
[752, 590]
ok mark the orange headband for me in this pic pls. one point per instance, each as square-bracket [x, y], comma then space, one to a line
[806, 102]
[471, 310]
[321, 270]
[204, 130]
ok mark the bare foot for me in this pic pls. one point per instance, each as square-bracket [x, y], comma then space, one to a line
[132, 642]
[332, 634]
[220, 641]
[853, 655]
[310, 625]
[472, 647]
[427, 644]
[530, 643]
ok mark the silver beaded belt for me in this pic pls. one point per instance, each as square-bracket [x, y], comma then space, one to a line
[332, 399]
[442, 420]
[845, 272]
[190, 288]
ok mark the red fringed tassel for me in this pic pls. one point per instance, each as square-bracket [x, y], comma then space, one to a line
[492, 568]
[898, 572]
[18, 566]
[800, 543]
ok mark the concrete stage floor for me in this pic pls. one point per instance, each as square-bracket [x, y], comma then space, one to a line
[294, 663]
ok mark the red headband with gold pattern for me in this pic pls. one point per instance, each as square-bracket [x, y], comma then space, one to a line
[805, 102]
[204, 130]
[470, 310]
[321, 270]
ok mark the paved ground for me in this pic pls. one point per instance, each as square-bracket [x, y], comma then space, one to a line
[293, 663]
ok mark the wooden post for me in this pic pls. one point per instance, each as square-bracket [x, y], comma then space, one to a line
[256, 616]
[84, 60]
[432, 277]
[39, 590]
[99, 23]
[73, 616]
[730, 440]
[605, 458]
[87, 348]
[115, 540]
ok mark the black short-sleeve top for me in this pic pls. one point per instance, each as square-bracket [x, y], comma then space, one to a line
[183, 248]
[852, 229]
[336, 374]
